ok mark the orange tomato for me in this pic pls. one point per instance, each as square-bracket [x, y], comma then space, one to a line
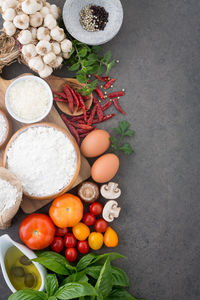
[110, 238]
[95, 240]
[66, 211]
[81, 231]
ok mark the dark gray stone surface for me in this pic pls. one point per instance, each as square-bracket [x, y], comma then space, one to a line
[158, 48]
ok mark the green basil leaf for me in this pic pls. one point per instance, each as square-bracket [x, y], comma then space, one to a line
[100, 259]
[52, 298]
[119, 294]
[85, 261]
[74, 67]
[93, 271]
[120, 278]
[104, 282]
[83, 52]
[28, 295]
[124, 125]
[51, 284]
[76, 277]
[126, 148]
[75, 290]
[129, 132]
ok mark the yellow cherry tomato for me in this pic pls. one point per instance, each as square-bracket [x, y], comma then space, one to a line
[110, 238]
[95, 240]
[81, 231]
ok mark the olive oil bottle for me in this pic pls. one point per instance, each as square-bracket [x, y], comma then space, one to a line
[22, 273]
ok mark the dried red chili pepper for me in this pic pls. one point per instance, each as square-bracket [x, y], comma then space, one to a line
[100, 93]
[69, 98]
[82, 126]
[71, 128]
[82, 105]
[63, 95]
[99, 109]
[101, 78]
[116, 94]
[92, 115]
[76, 118]
[81, 131]
[108, 84]
[83, 135]
[76, 100]
[60, 100]
[106, 105]
[118, 107]
[105, 118]
[85, 97]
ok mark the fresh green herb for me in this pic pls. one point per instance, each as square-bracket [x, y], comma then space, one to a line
[93, 278]
[117, 142]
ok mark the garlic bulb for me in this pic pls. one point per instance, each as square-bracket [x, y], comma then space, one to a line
[9, 3]
[43, 47]
[43, 34]
[55, 11]
[66, 55]
[49, 58]
[34, 33]
[9, 28]
[31, 6]
[57, 62]
[46, 71]
[36, 63]
[21, 21]
[44, 11]
[25, 37]
[57, 34]
[36, 19]
[56, 48]
[48, 5]
[29, 51]
[66, 45]
[50, 21]
[9, 14]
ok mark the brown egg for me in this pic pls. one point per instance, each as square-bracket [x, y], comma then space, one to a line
[95, 143]
[105, 168]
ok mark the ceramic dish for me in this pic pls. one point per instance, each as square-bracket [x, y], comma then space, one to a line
[76, 148]
[9, 129]
[37, 79]
[71, 18]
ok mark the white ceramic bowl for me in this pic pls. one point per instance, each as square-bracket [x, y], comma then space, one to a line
[23, 78]
[71, 18]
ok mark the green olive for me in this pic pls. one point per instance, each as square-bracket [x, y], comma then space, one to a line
[30, 280]
[17, 272]
[24, 260]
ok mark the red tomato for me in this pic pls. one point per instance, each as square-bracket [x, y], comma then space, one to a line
[101, 225]
[96, 208]
[71, 254]
[83, 247]
[57, 244]
[61, 231]
[70, 240]
[37, 231]
[89, 219]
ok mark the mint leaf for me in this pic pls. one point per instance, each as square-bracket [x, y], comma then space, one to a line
[74, 67]
[109, 66]
[105, 282]
[83, 52]
[96, 49]
[100, 70]
[51, 284]
[107, 57]
[75, 290]
[81, 78]
[126, 148]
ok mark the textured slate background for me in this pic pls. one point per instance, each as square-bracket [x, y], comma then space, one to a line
[158, 47]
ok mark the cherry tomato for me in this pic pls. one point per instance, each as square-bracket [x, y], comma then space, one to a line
[70, 240]
[89, 219]
[111, 238]
[81, 231]
[61, 231]
[101, 225]
[57, 244]
[95, 240]
[96, 208]
[83, 247]
[37, 231]
[71, 254]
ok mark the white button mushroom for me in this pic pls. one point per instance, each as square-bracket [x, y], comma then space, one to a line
[46, 71]
[66, 45]
[36, 63]
[25, 37]
[49, 58]
[36, 19]
[31, 6]
[111, 211]
[43, 47]
[44, 11]
[43, 33]
[9, 14]
[66, 55]
[50, 21]
[9, 28]
[57, 34]
[56, 48]
[110, 190]
[29, 51]
[21, 21]
[55, 11]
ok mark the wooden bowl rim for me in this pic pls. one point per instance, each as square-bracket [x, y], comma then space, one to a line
[66, 133]
[8, 128]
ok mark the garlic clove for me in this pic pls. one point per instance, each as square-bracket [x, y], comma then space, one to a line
[36, 63]
[66, 45]
[9, 28]
[43, 47]
[9, 14]
[21, 21]
[43, 33]
[36, 19]
[57, 34]
[46, 71]
[50, 21]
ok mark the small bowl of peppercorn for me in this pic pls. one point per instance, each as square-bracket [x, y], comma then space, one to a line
[93, 22]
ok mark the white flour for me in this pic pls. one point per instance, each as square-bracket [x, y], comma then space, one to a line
[8, 195]
[43, 159]
[3, 128]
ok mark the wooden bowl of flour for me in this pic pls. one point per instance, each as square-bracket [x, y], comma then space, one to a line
[8, 128]
[75, 148]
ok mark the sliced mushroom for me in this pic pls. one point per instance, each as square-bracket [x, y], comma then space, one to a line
[111, 211]
[88, 191]
[110, 190]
